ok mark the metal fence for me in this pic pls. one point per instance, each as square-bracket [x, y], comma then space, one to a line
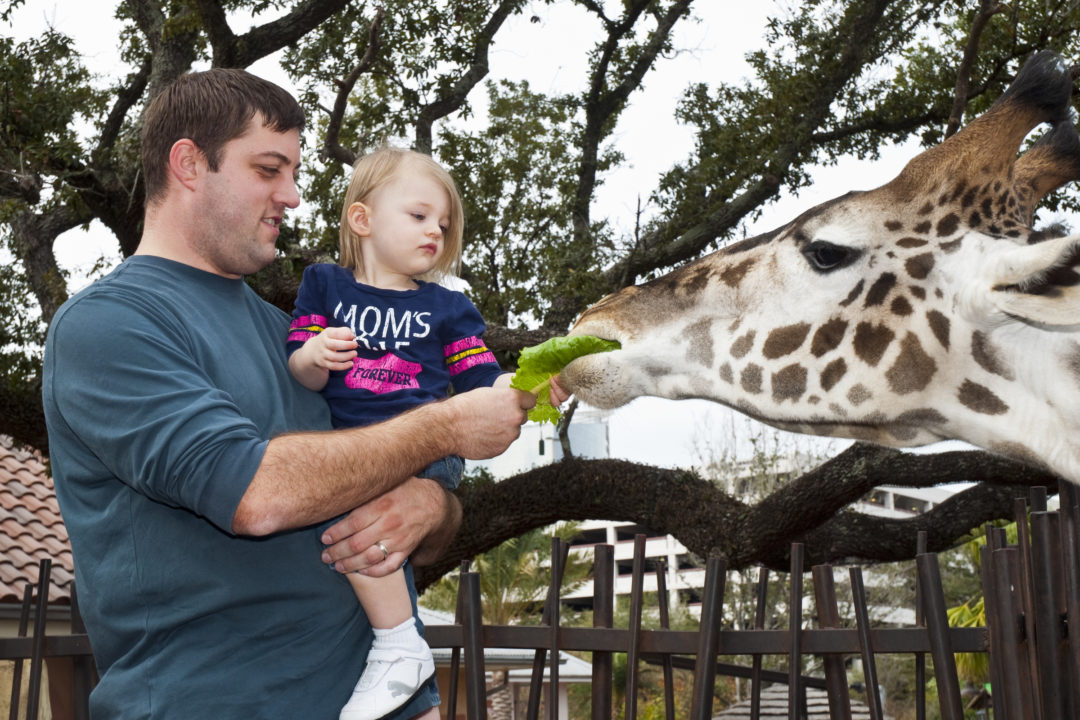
[1031, 590]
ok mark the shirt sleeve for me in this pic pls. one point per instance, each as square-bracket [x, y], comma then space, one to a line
[128, 399]
[468, 360]
[309, 312]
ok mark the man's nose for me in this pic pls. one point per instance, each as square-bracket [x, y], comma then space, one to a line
[289, 194]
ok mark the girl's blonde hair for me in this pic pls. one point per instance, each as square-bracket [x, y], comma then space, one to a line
[378, 168]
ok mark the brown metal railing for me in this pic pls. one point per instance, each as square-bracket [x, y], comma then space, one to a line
[39, 645]
[1031, 590]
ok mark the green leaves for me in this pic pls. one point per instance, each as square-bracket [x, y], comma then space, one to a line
[539, 363]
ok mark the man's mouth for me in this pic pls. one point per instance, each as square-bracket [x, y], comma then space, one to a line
[272, 221]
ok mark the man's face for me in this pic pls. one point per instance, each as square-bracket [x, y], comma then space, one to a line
[243, 203]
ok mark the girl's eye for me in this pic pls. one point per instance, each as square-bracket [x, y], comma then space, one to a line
[418, 216]
[445, 229]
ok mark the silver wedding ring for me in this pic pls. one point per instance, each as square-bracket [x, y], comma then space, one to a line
[385, 550]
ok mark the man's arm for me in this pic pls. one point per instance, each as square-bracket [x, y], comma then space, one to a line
[305, 478]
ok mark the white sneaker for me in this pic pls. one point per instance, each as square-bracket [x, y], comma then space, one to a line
[390, 679]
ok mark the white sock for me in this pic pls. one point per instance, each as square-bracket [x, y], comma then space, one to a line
[405, 636]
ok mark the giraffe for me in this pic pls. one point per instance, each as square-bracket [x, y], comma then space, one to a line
[922, 310]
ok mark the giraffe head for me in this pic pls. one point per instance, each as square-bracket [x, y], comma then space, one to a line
[925, 309]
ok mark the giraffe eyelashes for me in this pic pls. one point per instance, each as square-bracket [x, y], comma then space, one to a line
[826, 257]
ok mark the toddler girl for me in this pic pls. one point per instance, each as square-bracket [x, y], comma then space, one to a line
[376, 336]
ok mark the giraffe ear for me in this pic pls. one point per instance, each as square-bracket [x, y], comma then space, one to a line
[1039, 283]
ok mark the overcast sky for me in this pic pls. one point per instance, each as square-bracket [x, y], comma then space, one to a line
[551, 55]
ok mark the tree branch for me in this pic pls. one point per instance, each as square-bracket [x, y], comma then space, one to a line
[332, 147]
[455, 96]
[498, 337]
[987, 9]
[709, 521]
[601, 108]
[241, 51]
[33, 237]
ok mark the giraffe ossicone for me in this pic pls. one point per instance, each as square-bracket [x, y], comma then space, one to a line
[922, 310]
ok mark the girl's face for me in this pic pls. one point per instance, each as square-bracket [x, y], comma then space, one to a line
[402, 228]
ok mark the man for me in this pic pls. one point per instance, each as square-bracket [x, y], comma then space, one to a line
[189, 464]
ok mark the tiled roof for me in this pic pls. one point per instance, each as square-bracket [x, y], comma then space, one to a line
[30, 526]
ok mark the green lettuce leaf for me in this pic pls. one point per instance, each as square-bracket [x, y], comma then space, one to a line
[539, 363]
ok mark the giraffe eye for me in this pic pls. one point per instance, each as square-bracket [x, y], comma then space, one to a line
[824, 256]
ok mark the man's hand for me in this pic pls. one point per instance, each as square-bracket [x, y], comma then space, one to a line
[418, 515]
[556, 392]
[487, 420]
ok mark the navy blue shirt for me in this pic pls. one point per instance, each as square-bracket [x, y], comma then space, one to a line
[413, 344]
[162, 387]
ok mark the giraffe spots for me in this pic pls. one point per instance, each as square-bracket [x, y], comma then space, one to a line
[975, 219]
[789, 383]
[939, 325]
[903, 433]
[947, 225]
[960, 187]
[987, 355]
[901, 306]
[871, 342]
[859, 394]
[918, 292]
[880, 290]
[699, 335]
[926, 210]
[969, 198]
[695, 280]
[1037, 236]
[838, 410]
[741, 346]
[750, 378]
[732, 276]
[854, 294]
[919, 267]
[924, 227]
[950, 247]
[828, 337]
[981, 399]
[913, 368]
[911, 242]
[921, 417]
[785, 340]
[833, 373]
[1072, 362]
[894, 225]
[726, 373]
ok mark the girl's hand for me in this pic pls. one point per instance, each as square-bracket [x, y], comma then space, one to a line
[333, 349]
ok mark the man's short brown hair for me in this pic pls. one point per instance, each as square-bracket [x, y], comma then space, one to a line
[210, 108]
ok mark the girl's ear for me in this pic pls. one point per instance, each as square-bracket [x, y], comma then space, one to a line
[185, 161]
[359, 219]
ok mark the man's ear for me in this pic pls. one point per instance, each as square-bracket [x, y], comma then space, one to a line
[359, 216]
[186, 161]
[1039, 283]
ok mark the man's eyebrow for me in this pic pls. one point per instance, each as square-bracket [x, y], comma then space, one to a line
[282, 157]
